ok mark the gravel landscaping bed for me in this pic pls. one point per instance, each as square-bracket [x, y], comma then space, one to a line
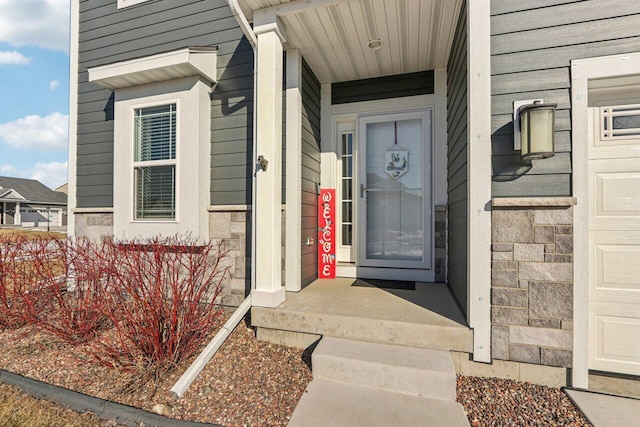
[255, 383]
[498, 402]
[248, 382]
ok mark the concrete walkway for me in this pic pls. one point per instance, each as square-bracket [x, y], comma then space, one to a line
[370, 384]
[604, 410]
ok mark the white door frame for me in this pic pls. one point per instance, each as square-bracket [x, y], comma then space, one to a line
[334, 115]
[583, 71]
[426, 116]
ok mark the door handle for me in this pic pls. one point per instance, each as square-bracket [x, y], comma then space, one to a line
[362, 188]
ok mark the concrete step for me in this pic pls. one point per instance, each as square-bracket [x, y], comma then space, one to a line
[422, 372]
[358, 327]
[428, 317]
[332, 403]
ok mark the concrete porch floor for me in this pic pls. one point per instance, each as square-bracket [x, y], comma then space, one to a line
[427, 317]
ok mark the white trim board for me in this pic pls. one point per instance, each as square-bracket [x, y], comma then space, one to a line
[73, 117]
[126, 3]
[479, 178]
[584, 71]
[191, 61]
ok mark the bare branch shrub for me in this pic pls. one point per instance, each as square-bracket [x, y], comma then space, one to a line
[22, 295]
[142, 306]
[75, 282]
[162, 300]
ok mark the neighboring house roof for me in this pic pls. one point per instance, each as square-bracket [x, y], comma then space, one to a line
[29, 190]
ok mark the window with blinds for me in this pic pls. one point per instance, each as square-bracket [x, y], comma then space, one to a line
[155, 162]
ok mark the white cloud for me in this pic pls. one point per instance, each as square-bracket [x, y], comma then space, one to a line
[9, 170]
[53, 85]
[13, 58]
[52, 174]
[48, 133]
[44, 23]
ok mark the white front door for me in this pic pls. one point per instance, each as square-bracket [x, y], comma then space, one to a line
[614, 232]
[394, 192]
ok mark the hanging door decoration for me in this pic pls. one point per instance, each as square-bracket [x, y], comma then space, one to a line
[396, 159]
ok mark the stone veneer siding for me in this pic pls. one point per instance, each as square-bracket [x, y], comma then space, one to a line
[94, 226]
[232, 224]
[234, 228]
[440, 268]
[532, 282]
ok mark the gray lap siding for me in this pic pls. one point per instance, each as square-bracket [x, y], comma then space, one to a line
[310, 171]
[457, 157]
[532, 45]
[109, 35]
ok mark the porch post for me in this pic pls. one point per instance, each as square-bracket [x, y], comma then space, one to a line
[17, 216]
[479, 177]
[268, 291]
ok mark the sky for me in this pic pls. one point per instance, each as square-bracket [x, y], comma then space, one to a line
[34, 89]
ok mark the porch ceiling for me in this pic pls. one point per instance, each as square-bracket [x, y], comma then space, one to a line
[333, 35]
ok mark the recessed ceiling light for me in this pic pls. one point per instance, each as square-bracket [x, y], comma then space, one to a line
[375, 44]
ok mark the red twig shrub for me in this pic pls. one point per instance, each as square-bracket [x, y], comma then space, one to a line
[140, 306]
[75, 281]
[23, 296]
[162, 300]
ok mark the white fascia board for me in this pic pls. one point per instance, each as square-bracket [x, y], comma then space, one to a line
[287, 8]
[187, 62]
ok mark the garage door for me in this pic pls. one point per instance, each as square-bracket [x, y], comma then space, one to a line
[614, 232]
[37, 217]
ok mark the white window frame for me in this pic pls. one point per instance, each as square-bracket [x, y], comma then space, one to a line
[608, 112]
[151, 163]
[345, 126]
[193, 118]
[126, 3]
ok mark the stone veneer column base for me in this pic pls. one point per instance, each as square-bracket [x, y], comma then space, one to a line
[532, 280]
[95, 226]
[232, 224]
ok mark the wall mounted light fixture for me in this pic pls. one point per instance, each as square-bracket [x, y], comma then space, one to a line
[534, 134]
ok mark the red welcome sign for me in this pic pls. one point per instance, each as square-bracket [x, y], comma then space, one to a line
[327, 234]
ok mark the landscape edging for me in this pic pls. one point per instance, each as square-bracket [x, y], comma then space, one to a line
[104, 409]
